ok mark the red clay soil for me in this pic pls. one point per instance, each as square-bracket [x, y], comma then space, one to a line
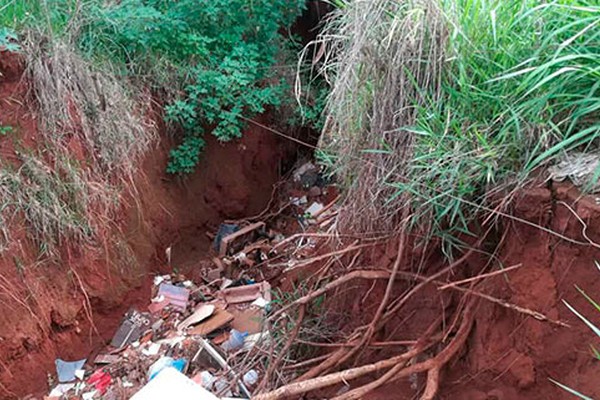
[509, 355]
[46, 306]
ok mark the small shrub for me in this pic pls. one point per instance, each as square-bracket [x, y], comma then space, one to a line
[222, 51]
[6, 129]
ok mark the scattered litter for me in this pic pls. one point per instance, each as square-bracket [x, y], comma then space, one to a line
[100, 380]
[158, 304]
[250, 378]
[298, 201]
[177, 296]
[222, 363]
[202, 312]
[194, 331]
[247, 293]
[307, 174]
[235, 341]
[226, 283]
[170, 382]
[164, 363]
[224, 230]
[260, 302]
[236, 241]
[80, 374]
[66, 369]
[89, 395]
[219, 319]
[106, 359]
[152, 350]
[131, 328]
[252, 340]
[61, 389]
[158, 280]
[314, 209]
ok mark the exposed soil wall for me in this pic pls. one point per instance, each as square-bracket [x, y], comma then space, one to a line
[47, 305]
[510, 355]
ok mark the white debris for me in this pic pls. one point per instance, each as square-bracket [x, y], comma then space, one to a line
[171, 382]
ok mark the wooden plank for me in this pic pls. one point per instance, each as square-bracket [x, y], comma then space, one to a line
[239, 236]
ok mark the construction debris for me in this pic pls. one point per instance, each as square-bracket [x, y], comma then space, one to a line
[195, 333]
[66, 370]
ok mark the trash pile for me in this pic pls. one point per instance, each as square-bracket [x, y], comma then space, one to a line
[183, 338]
[191, 336]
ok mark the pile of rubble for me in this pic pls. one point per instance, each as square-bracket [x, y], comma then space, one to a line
[188, 329]
[192, 336]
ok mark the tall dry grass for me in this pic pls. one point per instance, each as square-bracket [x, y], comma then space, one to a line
[383, 60]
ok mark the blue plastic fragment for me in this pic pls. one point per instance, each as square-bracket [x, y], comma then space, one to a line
[66, 369]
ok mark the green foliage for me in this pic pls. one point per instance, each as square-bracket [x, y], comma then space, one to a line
[213, 58]
[5, 130]
[8, 40]
[223, 51]
[521, 87]
[185, 157]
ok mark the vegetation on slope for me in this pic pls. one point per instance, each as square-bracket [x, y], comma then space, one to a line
[213, 60]
[485, 93]
[213, 64]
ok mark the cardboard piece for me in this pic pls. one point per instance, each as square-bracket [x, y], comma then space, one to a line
[247, 293]
[249, 320]
[203, 311]
[219, 319]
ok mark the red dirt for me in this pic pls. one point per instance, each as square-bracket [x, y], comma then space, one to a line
[509, 356]
[44, 306]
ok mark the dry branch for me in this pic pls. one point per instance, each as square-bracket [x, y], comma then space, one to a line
[273, 365]
[479, 277]
[361, 274]
[297, 388]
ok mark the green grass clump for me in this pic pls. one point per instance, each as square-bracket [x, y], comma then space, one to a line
[503, 89]
[520, 88]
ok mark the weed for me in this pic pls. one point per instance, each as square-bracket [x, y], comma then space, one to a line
[484, 94]
[6, 129]
[592, 327]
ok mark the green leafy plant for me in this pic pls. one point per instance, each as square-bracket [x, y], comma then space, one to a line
[220, 55]
[6, 129]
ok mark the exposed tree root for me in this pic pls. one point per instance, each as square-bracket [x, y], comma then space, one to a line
[297, 388]
[397, 367]
[293, 335]
[359, 274]
[436, 363]
[343, 354]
